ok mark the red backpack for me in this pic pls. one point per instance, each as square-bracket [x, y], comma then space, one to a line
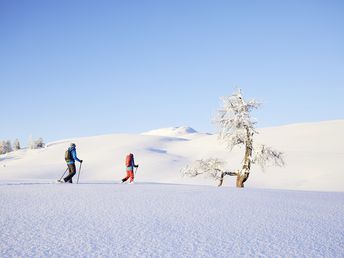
[128, 160]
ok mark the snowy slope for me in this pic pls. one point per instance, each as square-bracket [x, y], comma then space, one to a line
[161, 220]
[314, 154]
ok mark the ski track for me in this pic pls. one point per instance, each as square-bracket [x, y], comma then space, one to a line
[162, 220]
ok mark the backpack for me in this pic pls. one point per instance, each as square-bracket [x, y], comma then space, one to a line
[68, 155]
[128, 160]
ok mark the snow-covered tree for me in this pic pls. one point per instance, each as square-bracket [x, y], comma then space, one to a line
[36, 144]
[39, 143]
[237, 128]
[9, 146]
[31, 143]
[5, 146]
[16, 144]
[2, 147]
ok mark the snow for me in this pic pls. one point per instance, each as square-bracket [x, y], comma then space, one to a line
[166, 215]
[172, 131]
[313, 156]
[166, 220]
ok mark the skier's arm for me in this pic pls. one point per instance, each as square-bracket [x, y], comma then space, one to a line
[74, 156]
[134, 164]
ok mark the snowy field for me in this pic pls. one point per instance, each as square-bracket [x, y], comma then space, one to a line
[294, 211]
[166, 220]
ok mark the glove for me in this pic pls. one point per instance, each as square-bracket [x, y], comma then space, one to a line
[137, 166]
[81, 161]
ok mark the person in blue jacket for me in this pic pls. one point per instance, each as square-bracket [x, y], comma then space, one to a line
[71, 158]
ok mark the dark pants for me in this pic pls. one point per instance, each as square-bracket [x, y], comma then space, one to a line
[72, 172]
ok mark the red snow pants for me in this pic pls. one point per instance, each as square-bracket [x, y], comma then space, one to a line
[130, 174]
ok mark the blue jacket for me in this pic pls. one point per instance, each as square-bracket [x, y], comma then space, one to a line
[74, 157]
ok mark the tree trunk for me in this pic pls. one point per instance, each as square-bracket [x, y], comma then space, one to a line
[241, 179]
[221, 179]
[245, 171]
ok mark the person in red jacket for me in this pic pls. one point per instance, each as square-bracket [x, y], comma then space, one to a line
[130, 164]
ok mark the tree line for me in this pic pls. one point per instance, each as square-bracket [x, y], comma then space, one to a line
[6, 146]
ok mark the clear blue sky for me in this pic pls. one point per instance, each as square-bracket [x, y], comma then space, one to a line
[82, 68]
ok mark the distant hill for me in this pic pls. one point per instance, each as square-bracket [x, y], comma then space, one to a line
[172, 131]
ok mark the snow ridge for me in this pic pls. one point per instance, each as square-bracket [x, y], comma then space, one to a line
[172, 131]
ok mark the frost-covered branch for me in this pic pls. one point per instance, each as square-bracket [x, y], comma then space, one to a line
[234, 121]
[211, 167]
[208, 167]
[264, 155]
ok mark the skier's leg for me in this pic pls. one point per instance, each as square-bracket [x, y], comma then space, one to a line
[131, 172]
[127, 177]
[72, 172]
[69, 172]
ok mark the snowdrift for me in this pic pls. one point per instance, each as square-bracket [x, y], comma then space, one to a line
[313, 154]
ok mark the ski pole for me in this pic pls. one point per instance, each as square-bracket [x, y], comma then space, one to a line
[135, 170]
[63, 174]
[79, 173]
